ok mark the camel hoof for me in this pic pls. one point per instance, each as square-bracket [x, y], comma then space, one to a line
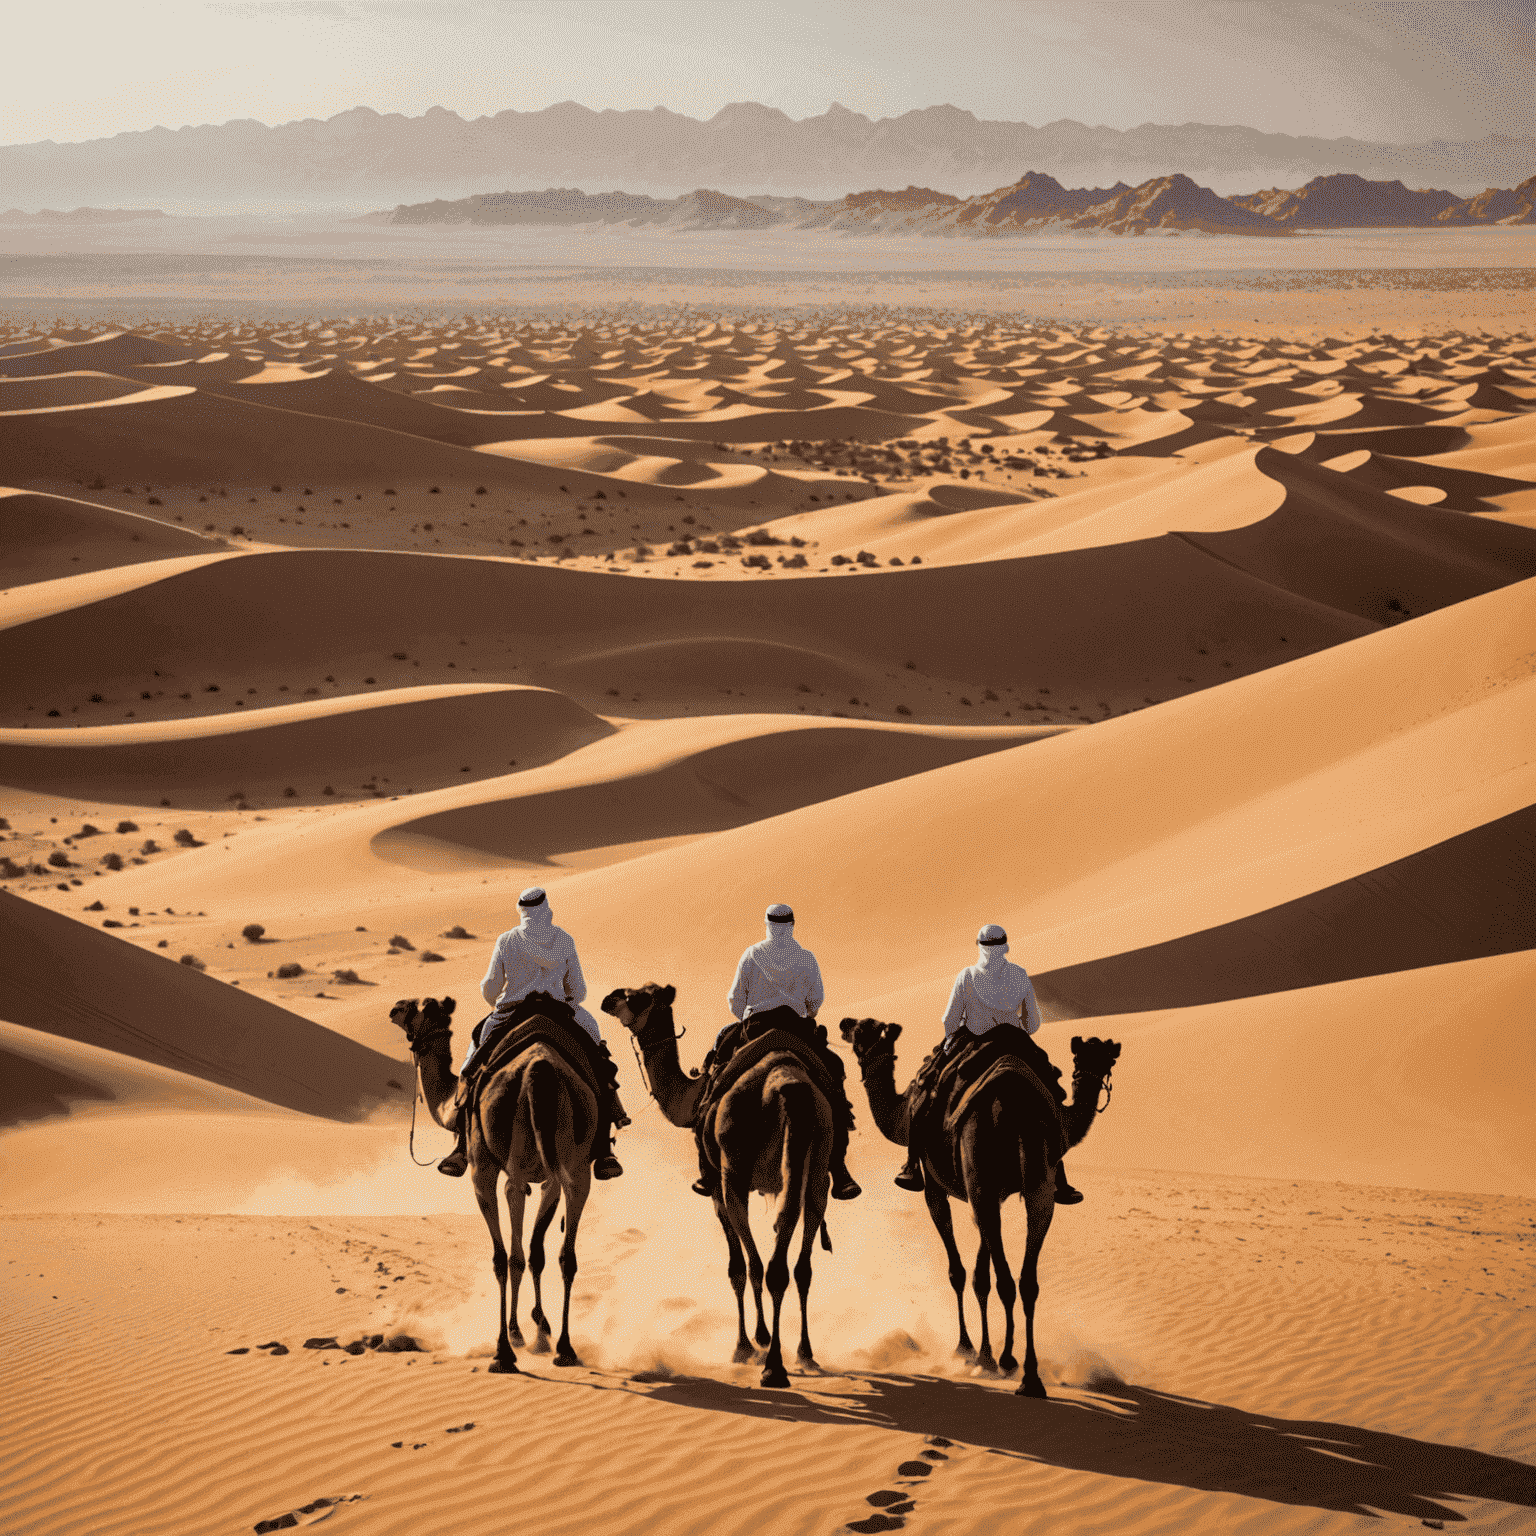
[965, 1350]
[986, 1366]
[778, 1378]
[744, 1353]
[503, 1368]
[763, 1337]
[540, 1345]
[566, 1357]
[518, 1341]
[1007, 1365]
[1032, 1387]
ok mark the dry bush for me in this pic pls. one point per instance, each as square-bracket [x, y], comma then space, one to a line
[458, 931]
[194, 962]
[252, 933]
[401, 942]
[184, 839]
[289, 971]
[430, 954]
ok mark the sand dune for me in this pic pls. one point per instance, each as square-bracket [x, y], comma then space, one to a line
[1461, 899]
[59, 977]
[1200, 662]
[305, 752]
[46, 537]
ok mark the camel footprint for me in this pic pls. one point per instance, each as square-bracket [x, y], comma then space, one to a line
[893, 1505]
[307, 1514]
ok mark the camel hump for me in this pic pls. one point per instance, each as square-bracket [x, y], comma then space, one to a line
[770, 1043]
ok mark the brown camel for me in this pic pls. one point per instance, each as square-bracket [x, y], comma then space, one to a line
[1002, 1144]
[534, 1122]
[772, 1134]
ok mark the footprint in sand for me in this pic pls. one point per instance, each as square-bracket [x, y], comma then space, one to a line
[308, 1514]
[893, 1506]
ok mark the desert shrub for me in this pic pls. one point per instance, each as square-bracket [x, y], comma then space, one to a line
[194, 962]
[127, 826]
[401, 942]
[458, 931]
[289, 971]
[87, 830]
[761, 536]
[150, 846]
[756, 562]
[113, 861]
[252, 933]
[430, 954]
[901, 709]
[5, 826]
[97, 906]
[9, 869]
[184, 839]
[111, 922]
[841, 560]
[60, 860]
[348, 978]
[793, 563]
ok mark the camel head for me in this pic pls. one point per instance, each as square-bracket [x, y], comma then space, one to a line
[427, 1026]
[642, 1009]
[1093, 1058]
[874, 1043]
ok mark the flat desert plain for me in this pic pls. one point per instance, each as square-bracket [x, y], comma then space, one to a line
[1203, 661]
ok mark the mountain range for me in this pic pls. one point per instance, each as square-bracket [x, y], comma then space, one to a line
[363, 155]
[1035, 202]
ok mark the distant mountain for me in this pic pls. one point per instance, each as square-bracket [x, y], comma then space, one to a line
[1345, 201]
[1034, 202]
[1516, 206]
[745, 148]
[80, 216]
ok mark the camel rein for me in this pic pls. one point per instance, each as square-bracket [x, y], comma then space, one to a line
[416, 1051]
[634, 1045]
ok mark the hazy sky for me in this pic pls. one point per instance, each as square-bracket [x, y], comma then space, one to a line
[1394, 70]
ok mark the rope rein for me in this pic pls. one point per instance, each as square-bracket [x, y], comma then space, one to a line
[1109, 1093]
[411, 1145]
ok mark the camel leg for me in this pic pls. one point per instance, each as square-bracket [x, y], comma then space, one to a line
[1041, 1205]
[517, 1263]
[485, 1174]
[989, 1222]
[938, 1210]
[576, 1192]
[815, 1213]
[774, 1374]
[548, 1201]
[734, 1199]
[736, 1269]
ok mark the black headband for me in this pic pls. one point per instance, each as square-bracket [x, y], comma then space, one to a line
[535, 901]
[772, 918]
[1002, 940]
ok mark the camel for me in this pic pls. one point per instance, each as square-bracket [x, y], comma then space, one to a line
[1002, 1145]
[772, 1132]
[535, 1123]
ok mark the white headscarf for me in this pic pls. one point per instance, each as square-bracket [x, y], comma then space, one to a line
[780, 955]
[537, 927]
[989, 974]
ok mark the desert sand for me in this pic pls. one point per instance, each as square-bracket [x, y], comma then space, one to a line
[1203, 662]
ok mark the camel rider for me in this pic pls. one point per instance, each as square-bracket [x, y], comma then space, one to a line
[536, 956]
[775, 973]
[993, 991]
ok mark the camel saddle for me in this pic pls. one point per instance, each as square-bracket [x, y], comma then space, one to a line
[540, 1019]
[955, 1078]
[765, 1035]
[999, 1068]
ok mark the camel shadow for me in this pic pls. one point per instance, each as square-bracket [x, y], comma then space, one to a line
[1135, 1432]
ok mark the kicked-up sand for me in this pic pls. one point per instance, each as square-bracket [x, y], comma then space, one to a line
[1203, 662]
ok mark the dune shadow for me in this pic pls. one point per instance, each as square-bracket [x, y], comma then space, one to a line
[1135, 1432]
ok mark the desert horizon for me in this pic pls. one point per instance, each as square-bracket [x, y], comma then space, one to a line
[1121, 624]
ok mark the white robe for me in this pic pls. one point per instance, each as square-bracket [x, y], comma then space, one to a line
[989, 993]
[536, 956]
[777, 972]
